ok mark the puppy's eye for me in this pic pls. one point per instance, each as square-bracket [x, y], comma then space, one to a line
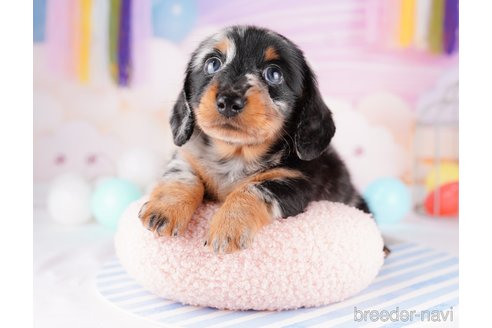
[273, 75]
[212, 65]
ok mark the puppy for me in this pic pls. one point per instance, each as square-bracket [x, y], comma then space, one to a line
[254, 134]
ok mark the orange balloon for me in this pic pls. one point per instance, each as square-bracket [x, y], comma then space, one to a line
[448, 200]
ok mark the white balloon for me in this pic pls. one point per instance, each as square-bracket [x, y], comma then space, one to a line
[69, 199]
[139, 166]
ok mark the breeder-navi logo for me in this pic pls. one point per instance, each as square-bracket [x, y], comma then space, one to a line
[398, 315]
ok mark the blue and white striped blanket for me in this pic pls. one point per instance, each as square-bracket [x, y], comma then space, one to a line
[416, 285]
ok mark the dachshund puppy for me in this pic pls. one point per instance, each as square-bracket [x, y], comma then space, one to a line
[254, 134]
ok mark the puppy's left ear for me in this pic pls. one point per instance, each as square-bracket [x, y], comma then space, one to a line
[182, 118]
[315, 125]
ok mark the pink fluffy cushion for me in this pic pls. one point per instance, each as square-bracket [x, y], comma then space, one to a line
[324, 255]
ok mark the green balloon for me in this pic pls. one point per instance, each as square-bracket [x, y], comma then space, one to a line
[110, 199]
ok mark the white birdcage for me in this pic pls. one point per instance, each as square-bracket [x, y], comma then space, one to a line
[436, 153]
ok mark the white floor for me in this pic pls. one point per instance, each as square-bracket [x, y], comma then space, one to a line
[66, 260]
[437, 233]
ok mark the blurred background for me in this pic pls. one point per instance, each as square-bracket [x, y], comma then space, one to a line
[107, 72]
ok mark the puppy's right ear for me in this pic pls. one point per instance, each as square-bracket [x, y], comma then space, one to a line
[182, 118]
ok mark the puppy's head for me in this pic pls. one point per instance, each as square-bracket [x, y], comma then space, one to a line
[250, 86]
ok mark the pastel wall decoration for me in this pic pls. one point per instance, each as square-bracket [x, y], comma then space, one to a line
[141, 28]
[120, 41]
[85, 8]
[392, 22]
[435, 37]
[428, 25]
[95, 42]
[124, 49]
[60, 33]
[99, 50]
[450, 26]
[39, 20]
[114, 25]
[372, 17]
[422, 13]
[407, 22]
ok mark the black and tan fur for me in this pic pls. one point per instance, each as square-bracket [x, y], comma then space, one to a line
[262, 149]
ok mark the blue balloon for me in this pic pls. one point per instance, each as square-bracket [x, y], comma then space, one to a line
[110, 199]
[388, 199]
[173, 19]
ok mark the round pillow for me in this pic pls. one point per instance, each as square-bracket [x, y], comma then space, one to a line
[324, 255]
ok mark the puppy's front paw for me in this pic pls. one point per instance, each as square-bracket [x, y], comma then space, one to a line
[171, 207]
[236, 223]
[228, 234]
[163, 219]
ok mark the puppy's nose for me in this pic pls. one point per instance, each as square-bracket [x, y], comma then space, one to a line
[229, 105]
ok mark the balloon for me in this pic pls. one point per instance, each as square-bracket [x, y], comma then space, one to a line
[448, 200]
[139, 166]
[111, 197]
[444, 173]
[388, 199]
[173, 19]
[69, 199]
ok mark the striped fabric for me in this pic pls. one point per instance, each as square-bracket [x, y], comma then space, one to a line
[412, 278]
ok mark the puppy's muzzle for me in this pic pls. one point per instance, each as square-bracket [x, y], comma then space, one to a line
[230, 104]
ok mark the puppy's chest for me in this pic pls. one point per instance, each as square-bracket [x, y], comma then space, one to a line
[221, 175]
[225, 175]
[229, 172]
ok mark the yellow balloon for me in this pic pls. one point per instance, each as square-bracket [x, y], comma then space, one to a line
[442, 174]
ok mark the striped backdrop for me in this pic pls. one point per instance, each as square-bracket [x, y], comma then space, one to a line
[412, 278]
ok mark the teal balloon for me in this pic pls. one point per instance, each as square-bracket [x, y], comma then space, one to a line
[173, 19]
[110, 199]
[389, 200]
